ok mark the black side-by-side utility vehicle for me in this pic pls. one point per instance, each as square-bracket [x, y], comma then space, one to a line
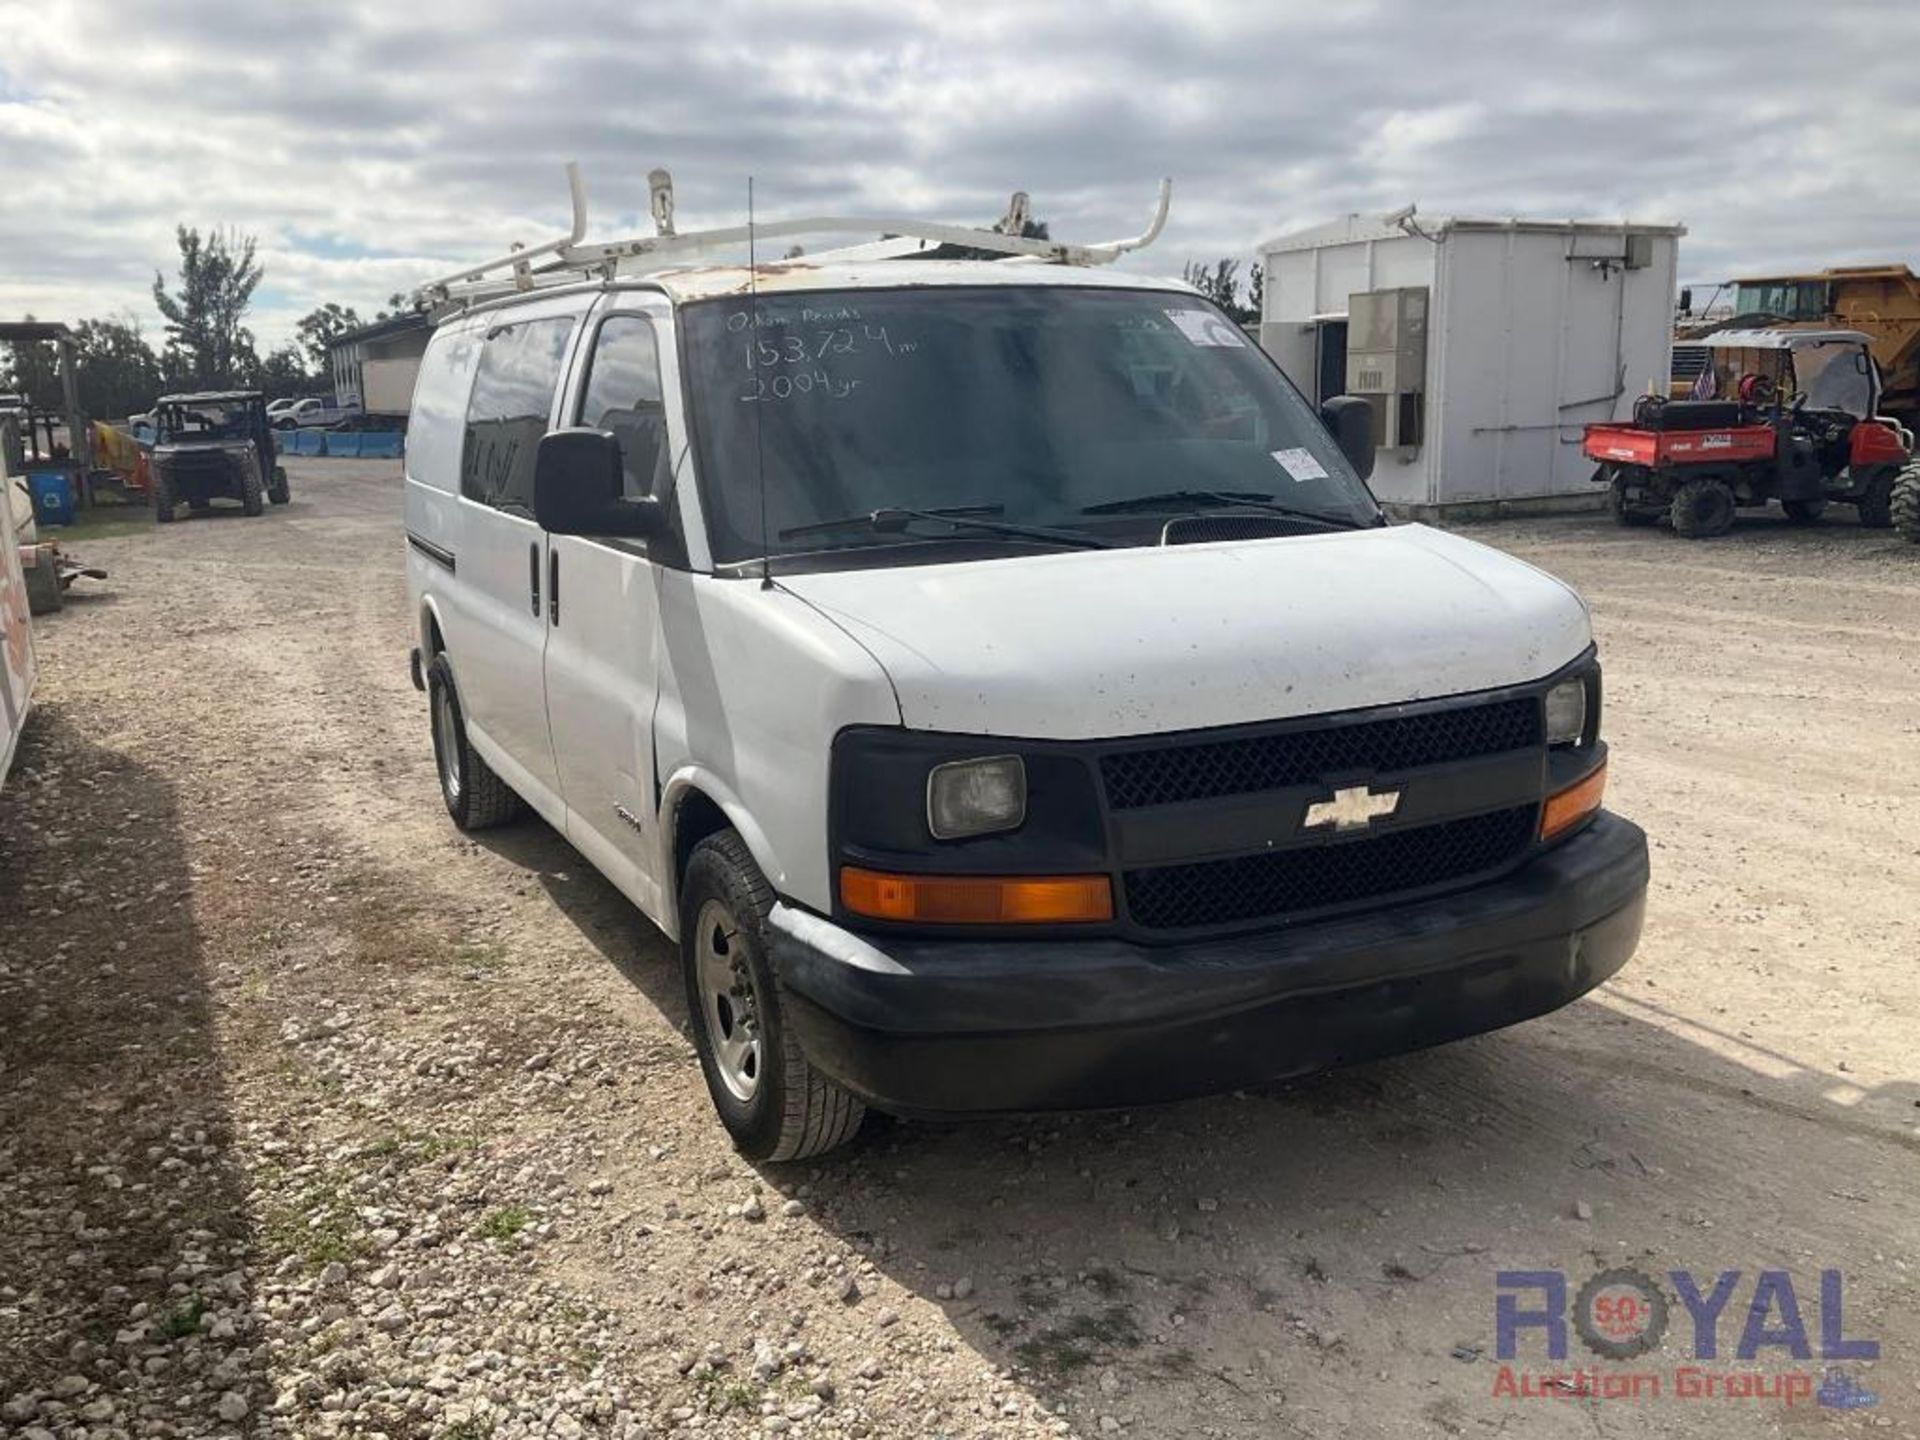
[214, 446]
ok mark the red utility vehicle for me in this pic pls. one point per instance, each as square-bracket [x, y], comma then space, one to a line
[1798, 426]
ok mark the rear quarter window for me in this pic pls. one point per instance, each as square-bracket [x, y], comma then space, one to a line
[508, 410]
[437, 422]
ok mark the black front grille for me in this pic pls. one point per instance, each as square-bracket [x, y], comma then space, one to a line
[1279, 883]
[1205, 529]
[1208, 769]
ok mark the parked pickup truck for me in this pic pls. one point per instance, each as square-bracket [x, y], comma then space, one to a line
[314, 412]
[1001, 684]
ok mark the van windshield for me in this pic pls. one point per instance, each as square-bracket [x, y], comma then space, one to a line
[1029, 403]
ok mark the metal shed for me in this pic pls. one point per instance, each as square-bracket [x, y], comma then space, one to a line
[1483, 344]
[374, 367]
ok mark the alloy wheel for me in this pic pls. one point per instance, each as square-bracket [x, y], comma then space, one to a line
[728, 1001]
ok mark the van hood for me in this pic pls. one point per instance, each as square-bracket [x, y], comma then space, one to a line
[1101, 644]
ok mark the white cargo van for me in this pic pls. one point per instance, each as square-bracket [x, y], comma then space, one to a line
[996, 678]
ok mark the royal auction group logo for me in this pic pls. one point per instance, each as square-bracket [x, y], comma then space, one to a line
[1622, 1314]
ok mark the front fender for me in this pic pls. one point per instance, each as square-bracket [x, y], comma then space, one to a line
[691, 778]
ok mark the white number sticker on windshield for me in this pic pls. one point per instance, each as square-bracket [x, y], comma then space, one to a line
[1204, 327]
[1300, 464]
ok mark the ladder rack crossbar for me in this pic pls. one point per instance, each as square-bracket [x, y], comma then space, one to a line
[567, 260]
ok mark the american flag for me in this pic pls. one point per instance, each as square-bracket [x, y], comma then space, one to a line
[1706, 385]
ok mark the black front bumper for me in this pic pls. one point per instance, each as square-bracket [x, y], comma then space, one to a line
[933, 1027]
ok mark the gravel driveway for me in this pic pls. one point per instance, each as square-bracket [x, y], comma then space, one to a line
[319, 1119]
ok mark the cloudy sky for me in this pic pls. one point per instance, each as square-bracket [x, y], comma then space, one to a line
[370, 146]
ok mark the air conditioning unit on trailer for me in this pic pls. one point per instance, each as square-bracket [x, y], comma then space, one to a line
[1387, 361]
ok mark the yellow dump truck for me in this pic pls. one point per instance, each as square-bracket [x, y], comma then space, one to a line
[1880, 301]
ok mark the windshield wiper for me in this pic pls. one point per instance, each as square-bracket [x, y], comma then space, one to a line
[1215, 499]
[894, 519]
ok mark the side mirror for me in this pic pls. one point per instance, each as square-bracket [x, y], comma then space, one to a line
[1349, 419]
[578, 485]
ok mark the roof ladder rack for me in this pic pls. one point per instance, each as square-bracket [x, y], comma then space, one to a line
[565, 259]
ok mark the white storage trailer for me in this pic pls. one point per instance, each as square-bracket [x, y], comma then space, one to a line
[1484, 345]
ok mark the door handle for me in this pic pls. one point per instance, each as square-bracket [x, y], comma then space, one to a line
[533, 575]
[553, 586]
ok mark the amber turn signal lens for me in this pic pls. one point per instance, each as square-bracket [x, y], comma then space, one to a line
[1573, 804]
[977, 899]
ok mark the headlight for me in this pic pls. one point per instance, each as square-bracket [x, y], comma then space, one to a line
[1567, 712]
[976, 797]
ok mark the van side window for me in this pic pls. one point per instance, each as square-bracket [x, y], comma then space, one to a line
[623, 395]
[435, 425]
[507, 415]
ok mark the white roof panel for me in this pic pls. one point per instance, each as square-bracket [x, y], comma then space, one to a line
[1352, 228]
[1776, 339]
[708, 281]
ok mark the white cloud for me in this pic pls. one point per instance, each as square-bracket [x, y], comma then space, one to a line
[371, 145]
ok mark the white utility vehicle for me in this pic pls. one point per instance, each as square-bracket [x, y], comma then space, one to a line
[993, 674]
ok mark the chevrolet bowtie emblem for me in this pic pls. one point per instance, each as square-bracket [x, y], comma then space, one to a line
[1354, 808]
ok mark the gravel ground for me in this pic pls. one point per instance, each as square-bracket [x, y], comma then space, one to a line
[318, 1119]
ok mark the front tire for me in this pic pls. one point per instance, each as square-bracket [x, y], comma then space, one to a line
[775, 1105]
[1703, 509]
[477, 799]
[1905, 507]
[1875, 505]
[253, 499]
[165, 501]
[277, 491]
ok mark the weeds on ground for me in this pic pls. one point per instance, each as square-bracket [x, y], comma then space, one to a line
[183, 1319]
[505, 1223]
[1063, 1349]
[317, 1226]
[480, 954]
[470, 1429]
[720, 1395]
[408, 1148]
[105, 522]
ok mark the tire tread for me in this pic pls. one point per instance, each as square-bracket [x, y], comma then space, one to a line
[1875, 505]
[816, 1115]
[490, 800]
[252, 492]
[1685, 502]
[485, 799]
[1905, 507]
